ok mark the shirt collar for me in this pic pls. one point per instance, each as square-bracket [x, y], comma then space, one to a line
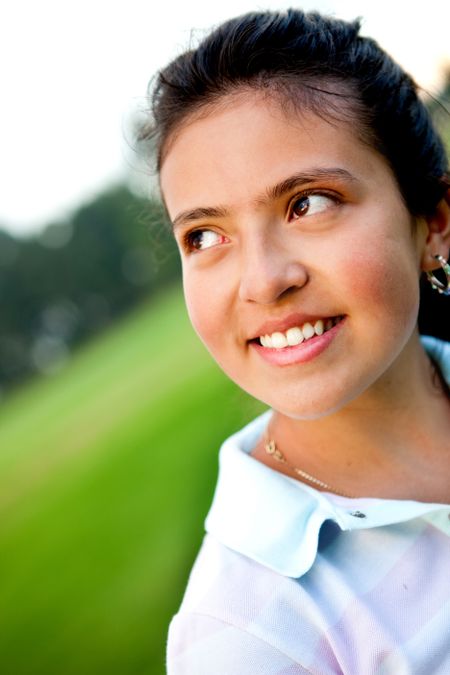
[275, 519]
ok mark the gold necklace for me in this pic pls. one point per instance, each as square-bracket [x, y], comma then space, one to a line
[271, 449]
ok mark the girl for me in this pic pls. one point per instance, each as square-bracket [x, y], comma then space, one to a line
[308, 192]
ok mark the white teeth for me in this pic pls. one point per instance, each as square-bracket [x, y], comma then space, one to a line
[279, 340]
[307, 330]
[295, 335]
[318, 327]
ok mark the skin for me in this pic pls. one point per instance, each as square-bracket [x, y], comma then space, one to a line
[352, 250]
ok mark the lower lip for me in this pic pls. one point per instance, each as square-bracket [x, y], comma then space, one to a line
[305, 351]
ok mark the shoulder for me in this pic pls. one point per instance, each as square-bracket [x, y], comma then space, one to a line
[238, 616]
[225, 623]
[228, 585]
[203, 645]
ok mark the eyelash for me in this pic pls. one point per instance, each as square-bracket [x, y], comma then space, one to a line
[188, 238]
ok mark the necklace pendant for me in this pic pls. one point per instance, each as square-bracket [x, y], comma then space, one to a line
[270, 447]
[272, 450]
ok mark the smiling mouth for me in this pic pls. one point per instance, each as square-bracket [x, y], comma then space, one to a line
[297, 334]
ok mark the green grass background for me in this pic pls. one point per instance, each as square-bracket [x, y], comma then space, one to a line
[106, 474]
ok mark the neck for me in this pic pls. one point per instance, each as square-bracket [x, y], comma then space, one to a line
[389, 442]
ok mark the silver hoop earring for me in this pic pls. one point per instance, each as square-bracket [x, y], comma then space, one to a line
[438, 285]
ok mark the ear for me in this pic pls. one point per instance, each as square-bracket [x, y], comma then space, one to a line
[438, 236]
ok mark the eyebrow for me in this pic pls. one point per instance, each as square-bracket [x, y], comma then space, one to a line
[272, 193]
[198, 213]
[302, 178]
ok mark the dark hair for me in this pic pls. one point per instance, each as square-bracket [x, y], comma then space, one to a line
[291, 51]
[316, 62]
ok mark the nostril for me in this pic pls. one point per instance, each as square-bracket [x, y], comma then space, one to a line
[289, 291]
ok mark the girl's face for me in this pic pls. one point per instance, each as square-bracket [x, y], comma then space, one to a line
[287, 224]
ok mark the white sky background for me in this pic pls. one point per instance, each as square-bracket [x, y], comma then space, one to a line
[71, 71]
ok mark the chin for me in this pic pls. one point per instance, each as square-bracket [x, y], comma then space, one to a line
[314, 408]
[308, 413]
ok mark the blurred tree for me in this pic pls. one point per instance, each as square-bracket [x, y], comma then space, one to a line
[62, 286]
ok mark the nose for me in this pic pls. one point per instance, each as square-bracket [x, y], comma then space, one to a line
[269, 270]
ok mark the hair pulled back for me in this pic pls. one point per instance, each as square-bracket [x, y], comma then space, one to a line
[310, 57]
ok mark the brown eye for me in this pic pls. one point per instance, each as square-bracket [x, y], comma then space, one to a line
[309, 205]
[300, 206]
[199, 240]
[195, 239]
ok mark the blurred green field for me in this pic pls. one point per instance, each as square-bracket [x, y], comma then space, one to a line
[106, 473]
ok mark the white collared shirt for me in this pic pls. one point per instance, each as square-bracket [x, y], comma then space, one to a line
[290, 580]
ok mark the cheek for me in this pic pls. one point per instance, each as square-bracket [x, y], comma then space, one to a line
[382, 279]
[204, 310]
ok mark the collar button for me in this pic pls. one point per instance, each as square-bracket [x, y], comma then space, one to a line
[357, 514]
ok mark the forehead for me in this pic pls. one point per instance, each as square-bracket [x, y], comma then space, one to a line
[233, 152]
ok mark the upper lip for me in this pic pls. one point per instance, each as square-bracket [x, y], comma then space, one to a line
[282, 325]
